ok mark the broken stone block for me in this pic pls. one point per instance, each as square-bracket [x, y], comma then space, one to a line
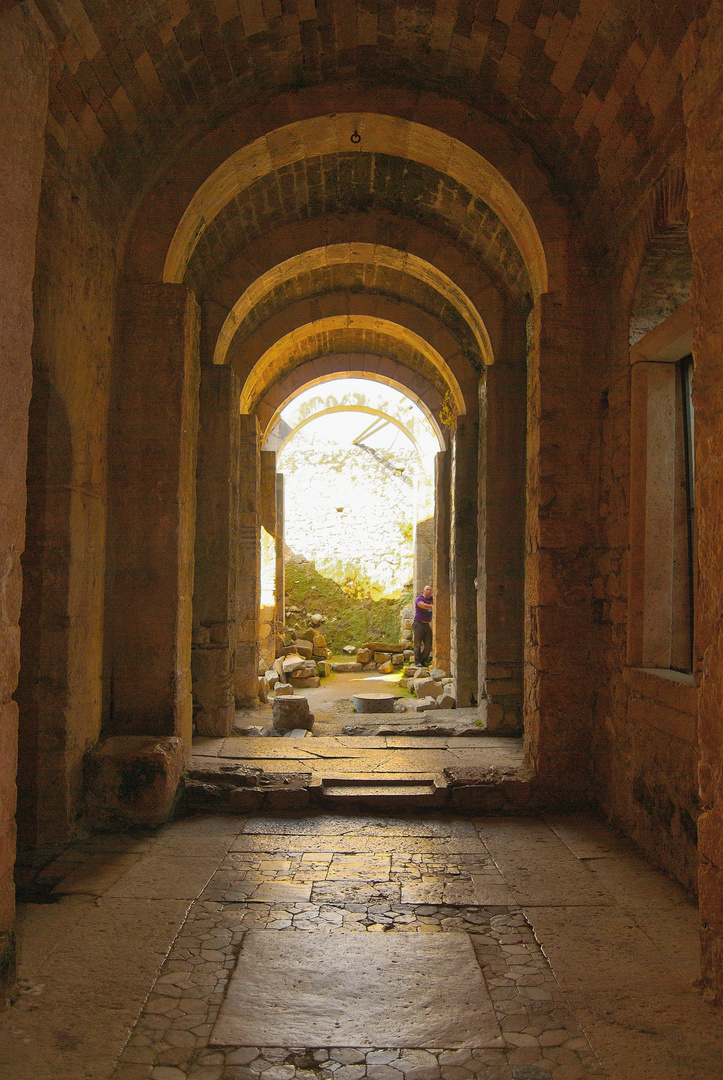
[308, 682]
[398, 659]
[446, 701]
[297, 733]
[363, 656]
[323, 668]
[132, 780]
[426, 687]
[290, 713]
[321, 654]
[409, 673]
[319, 641]
[349, 650]
[386, 668]
[263, 691]
[304, 648]
[408, 654]
[437, 673]
[253, 731]
[271, 677]
[382, 657]
[371, 666]
[346, 666]
[278, 665]
[403, 705]
[283, 688]
[317, 619]
[261, 668]
[424, 704]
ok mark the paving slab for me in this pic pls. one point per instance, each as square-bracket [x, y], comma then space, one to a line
[317, 990]
[537, 867]
[165, 878]
[642, 1019]
[337, 825]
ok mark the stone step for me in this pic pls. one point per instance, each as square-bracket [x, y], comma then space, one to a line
[384, 790]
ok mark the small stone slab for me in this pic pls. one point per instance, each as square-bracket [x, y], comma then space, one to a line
[391, 990]
[374, 703]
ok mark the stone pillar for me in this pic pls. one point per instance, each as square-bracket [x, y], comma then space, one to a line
[703, 96]
[564, 647]
[213, 654]
[246, 679]
[23, 105]
[463, 561]
[267, 619]
[152, 468]
[442, 543]
[501, 533]
[280, 563]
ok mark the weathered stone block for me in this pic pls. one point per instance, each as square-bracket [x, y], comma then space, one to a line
[426, 687]
[304, 648]
[290, 713]
[305, 682]
[132, 780]
[292, 663]
[363, 656]
[382, 657]
[323, 669]
[283, 688]
[346, 666]
[446, 701]
[386, 668]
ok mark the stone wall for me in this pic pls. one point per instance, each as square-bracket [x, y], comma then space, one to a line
[704, 107]
[23, 98]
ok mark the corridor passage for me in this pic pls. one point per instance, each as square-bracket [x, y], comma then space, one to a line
[342, 947]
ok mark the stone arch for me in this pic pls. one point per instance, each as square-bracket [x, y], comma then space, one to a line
[345, 333]
[330, 411]
[281, 279]
[381, 369]
[380, 133]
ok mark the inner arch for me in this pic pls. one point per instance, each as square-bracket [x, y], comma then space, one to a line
[379, 134]
[373, 254]
[350, 333]
[354, 373]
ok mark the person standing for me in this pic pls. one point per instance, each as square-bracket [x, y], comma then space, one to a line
[422, 627]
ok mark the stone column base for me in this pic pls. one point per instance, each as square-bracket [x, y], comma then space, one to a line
[132, 780]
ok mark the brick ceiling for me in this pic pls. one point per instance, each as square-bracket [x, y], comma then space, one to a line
[593, 85]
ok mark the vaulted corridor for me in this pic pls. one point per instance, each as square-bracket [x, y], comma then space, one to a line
[227, 948]
[506, 216]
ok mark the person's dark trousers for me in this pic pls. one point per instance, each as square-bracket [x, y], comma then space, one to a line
[422, 642]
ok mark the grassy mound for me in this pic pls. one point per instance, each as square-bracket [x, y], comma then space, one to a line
[352, 617]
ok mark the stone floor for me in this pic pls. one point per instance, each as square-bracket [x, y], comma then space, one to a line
[558, 954]
[334, 755]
